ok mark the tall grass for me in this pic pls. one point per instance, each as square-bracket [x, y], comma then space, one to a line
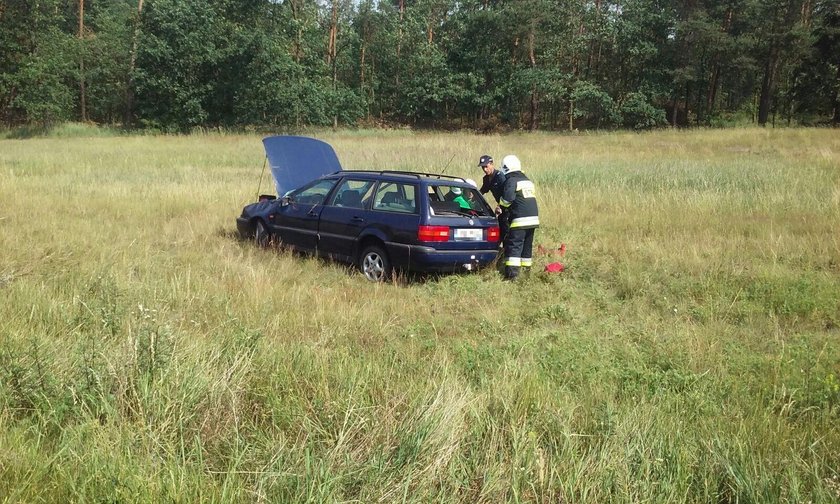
[689, 353]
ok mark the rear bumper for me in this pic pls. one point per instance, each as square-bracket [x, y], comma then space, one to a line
[428, 259]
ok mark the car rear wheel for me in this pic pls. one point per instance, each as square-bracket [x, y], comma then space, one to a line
[262, 236]
[374, 264]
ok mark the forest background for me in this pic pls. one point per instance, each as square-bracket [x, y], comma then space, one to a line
[487, 65]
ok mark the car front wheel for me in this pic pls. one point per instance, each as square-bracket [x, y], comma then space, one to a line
[262, 236]
[374, 264]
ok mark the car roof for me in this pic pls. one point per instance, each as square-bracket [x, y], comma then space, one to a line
[295, 161]
[401, 175]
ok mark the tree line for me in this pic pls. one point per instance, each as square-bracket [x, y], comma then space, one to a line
[485, 64]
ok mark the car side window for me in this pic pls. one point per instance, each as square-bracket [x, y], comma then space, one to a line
[353, 193]
[314, 194]
[396, 197]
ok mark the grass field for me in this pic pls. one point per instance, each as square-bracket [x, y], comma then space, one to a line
[689, 353]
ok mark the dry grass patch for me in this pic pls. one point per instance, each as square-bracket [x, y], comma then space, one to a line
[687, 353]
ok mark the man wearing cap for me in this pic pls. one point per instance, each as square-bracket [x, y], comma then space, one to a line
[494, 183]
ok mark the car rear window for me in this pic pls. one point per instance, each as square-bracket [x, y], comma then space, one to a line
[456, 199]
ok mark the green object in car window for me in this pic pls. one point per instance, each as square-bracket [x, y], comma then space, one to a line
[462, 202]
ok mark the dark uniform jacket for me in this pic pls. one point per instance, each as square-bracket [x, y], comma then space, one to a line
[519, 197]
[493, 183]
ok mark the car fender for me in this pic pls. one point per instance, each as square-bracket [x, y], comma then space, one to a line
[367, 234]
[398, 253]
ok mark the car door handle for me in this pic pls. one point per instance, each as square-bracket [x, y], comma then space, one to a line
[357, 219]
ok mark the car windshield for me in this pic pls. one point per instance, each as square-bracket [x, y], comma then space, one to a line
[450, 199]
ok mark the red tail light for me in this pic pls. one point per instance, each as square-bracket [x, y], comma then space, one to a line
[493, 234]
[433, 233]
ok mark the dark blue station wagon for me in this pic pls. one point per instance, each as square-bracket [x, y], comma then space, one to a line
[381, 220]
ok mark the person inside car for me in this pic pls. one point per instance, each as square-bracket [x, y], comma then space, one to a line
[459, 198]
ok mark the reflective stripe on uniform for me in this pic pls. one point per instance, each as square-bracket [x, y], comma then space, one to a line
[513, 261]
[504, 203]
[526, 262]
[525, 221]
[526, 187]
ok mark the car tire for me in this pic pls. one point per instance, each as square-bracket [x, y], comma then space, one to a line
[262, 236]
[375, 264]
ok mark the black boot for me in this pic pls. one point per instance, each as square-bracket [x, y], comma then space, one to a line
[511, 272]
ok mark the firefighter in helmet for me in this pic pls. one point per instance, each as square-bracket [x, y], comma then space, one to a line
[520, 201]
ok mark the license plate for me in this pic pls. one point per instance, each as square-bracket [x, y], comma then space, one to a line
[468, 234]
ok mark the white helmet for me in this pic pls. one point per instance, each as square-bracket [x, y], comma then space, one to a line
[471, 182]
[456, 190]
[511, 164]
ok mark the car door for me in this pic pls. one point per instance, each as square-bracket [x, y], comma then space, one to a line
[344, 216]
[395, 211]
[297, 221]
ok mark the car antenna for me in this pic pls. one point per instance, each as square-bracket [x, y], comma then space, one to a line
[447, 164]
[259, 184]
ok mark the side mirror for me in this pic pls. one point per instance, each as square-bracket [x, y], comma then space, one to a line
[285, 200]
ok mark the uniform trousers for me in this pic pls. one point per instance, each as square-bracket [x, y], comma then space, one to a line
[519, 246]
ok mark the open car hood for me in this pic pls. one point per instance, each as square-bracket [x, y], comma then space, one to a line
[295, 161]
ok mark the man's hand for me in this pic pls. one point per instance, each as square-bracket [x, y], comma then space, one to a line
[498, 211]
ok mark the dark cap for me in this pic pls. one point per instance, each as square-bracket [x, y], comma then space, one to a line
[485, 160]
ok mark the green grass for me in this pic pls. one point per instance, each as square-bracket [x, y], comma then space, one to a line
[689, 353]
[63, 130]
